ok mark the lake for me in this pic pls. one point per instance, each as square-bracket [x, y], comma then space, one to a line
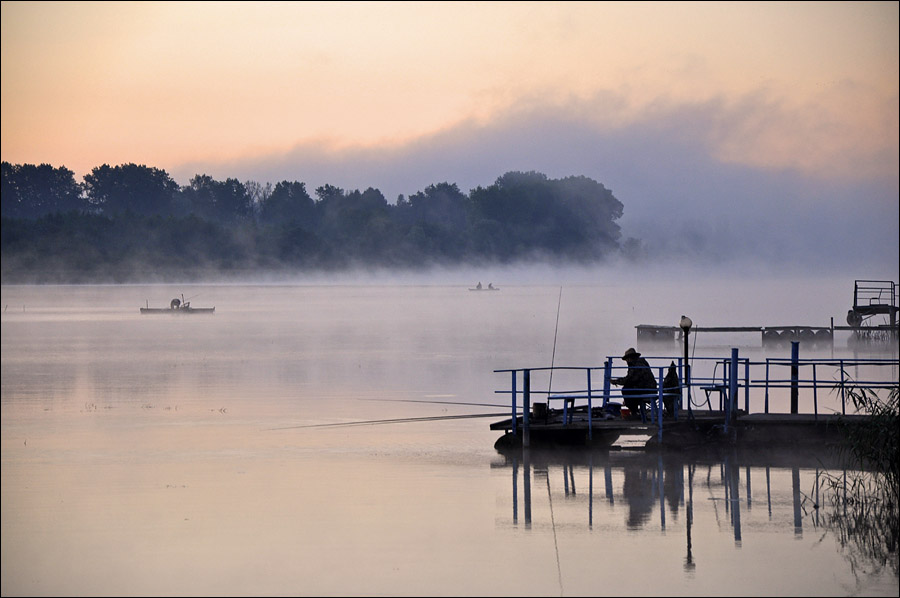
[331, 437]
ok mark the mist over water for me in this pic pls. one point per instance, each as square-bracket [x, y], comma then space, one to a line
[217, 454]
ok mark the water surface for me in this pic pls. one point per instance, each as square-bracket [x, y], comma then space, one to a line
[208, 455]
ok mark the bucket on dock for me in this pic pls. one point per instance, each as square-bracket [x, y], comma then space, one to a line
[616, 409]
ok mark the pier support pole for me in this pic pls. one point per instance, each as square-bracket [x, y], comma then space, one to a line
[733, 387]
[526, 407]
[795, 367]
[686, 324]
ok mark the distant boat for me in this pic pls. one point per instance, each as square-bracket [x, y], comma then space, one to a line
[490, 287]
[177, 306]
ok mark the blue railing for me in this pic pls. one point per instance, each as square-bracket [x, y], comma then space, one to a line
[728, 377]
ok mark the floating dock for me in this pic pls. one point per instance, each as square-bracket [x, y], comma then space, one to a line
[719, 399]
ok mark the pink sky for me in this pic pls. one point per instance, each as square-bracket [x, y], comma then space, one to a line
[808, 85]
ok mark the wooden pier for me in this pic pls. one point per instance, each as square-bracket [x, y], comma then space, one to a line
[871, 298]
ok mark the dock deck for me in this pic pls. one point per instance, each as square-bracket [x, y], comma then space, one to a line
[734, 404]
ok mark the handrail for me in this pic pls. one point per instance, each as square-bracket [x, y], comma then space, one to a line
[731, 381]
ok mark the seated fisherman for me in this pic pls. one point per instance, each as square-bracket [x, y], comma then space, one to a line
[638, 381]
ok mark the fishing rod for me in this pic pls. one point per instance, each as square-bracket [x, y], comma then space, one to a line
[400, 420]
[555, 331]
[437, 402]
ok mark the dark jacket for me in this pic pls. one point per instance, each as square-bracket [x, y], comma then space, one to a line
[639, 379]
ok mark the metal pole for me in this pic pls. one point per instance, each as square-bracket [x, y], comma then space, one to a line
[526, 407]
[660, 403]
[732, 386]
[815, 395]
[607, 377]
[515, 417]
[590, 407]
[795, 358]
[687, 370]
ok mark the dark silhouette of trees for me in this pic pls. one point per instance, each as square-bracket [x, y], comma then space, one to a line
[30, 191]
[433, 224]
[527, 214]
[226, 202]
[132, 222]
[288, 203]
[130, 188]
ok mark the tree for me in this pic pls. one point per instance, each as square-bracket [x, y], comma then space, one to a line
[288, 203]
[571, 218]
[133, 188]
[219, 201]
[30, 191]
[258, 194]
[434, 222]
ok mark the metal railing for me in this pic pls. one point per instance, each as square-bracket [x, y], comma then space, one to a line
[736, 378]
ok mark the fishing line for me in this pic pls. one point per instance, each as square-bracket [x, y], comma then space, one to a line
[555, 544]
[401, 420]
[437, 402]
[555, 331]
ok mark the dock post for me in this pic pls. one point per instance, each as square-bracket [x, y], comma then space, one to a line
[747, 386]
[843, 394]
[815, 394]
[659, 404]
[526, 407]
[515, 417]
[686, 324]
[590, 408]
[732, 402]
[795, 360]
[607, 377]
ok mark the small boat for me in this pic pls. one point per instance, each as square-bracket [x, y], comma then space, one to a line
[490, 287]
[177, 306]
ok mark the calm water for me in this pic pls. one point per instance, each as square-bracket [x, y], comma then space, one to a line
[211, 455]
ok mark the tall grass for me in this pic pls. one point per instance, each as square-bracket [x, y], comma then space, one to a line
[864, 497]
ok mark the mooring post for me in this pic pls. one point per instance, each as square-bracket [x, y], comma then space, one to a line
[795, 367]
[526, 407]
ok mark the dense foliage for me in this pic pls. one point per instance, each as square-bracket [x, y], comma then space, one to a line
[132, 222]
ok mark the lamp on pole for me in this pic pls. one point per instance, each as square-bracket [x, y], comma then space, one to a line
[685, 325]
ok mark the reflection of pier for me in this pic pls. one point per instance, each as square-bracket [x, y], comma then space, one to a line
[581, 488]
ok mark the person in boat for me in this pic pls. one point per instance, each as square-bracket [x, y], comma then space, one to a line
[638, 383]
[490, 285]
[478, 286]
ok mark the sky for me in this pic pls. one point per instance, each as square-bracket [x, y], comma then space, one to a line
[729, 130]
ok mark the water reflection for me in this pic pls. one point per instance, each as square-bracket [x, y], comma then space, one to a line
[641, 490]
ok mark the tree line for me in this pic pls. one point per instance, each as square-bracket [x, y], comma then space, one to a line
[132, 223]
